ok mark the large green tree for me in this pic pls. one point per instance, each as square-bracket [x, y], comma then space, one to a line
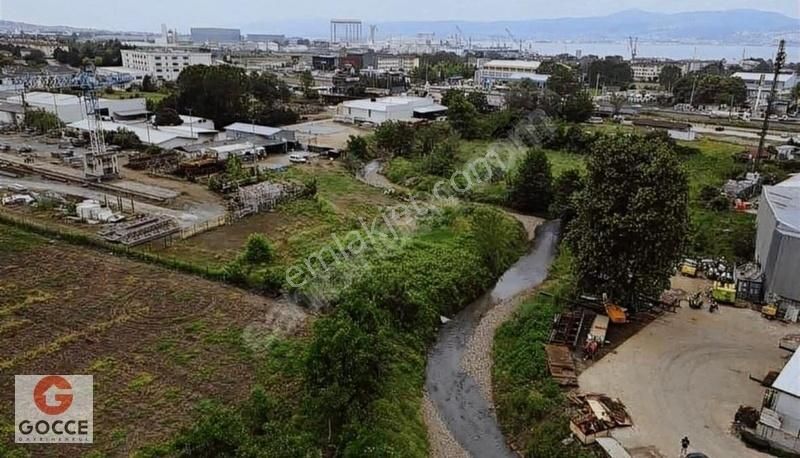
[216, 92]
[577, 107]
[632, 220]
[523, 96]
[530, 188]
[613, 71]
[710, 89]
[565, 189]
[464, 117]
[563, 80]
[669, 75]
[226, 94]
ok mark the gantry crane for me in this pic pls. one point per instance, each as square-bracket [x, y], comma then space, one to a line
[98, 164]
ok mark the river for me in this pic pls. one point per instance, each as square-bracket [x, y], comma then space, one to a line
[455, 394]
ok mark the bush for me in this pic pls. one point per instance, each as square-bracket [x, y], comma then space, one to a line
[258, 250]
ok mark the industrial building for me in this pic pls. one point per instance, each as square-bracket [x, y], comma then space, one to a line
[267, 38]
[756, 82]
[779, 421]
[163, 64]
[219, 35]
[240, 130]
[506, 71]
[391, 62]
[70, 108]
[377, 111]
[778, 243]
[166, 137]
[646, 71]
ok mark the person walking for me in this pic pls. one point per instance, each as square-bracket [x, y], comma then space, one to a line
[684, 446]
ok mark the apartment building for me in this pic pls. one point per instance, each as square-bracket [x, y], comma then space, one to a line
[163, 64]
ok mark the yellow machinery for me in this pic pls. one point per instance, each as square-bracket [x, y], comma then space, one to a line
[689, 268]
[616, 314]
[769, 311]
[724, 292]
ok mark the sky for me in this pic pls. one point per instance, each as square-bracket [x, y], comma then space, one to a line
[256, 15]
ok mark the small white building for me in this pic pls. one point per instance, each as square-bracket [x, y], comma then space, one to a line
[379, 110]
[164, 64]
[779, 422]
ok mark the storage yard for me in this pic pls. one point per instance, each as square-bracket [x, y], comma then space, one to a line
[686, 374]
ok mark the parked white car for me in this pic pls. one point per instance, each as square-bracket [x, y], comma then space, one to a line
[298, 158]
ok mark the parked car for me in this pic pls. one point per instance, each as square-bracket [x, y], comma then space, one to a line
[298, 158]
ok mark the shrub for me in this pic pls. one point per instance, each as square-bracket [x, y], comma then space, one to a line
[258, 250]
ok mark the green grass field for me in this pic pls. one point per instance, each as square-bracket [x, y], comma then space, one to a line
[153, 96]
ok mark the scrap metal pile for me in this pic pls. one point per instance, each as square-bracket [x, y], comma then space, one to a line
[597, 416]
[141, 231]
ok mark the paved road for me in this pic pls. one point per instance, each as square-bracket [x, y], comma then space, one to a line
[455, 394]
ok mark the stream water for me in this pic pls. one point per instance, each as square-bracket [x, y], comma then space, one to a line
[455, 394]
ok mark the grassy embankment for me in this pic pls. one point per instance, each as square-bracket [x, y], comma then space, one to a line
[386, 319]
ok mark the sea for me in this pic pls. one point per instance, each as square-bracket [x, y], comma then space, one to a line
[675, 51]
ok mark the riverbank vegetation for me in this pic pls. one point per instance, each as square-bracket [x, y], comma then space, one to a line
[353, 386]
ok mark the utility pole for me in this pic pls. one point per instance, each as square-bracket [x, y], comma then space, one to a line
[780, 58]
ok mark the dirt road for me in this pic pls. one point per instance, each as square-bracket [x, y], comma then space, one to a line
[686, 374]
[458, 398]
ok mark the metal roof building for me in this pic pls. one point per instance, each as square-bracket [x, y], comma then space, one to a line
[778, 240]
[379, 110]
[779, 420]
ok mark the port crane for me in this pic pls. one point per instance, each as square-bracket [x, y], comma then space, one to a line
[98, 164]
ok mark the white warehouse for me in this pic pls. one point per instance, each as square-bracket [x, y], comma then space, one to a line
[70, 108]
[164, 64]
[384, 109]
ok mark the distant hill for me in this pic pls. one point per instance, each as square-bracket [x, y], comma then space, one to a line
[732, 26]
[10, 26]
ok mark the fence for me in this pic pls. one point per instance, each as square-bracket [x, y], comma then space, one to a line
[203, 227]
[87, 240]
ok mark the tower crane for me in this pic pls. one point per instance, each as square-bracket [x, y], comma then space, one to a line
[98, 164]
[633, 46]
[514, 39]
[460, 36]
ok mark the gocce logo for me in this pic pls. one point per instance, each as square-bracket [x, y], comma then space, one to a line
[50, 397]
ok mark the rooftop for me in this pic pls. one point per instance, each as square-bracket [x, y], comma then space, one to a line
[382, 103]
[256, 129]
[150, 136]
[784, 200]
[520, 64]
[789, 379]
[750, 76]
